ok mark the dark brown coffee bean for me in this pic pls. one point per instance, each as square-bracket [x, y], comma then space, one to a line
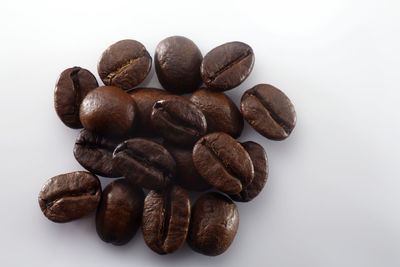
[227, 66]
[119, 213]
[124, 64]
[70, 196]
[213, 225]
[260, 163]
[186, 174]
[269, 111]
[165, 220]
[145, 99]
[145, 162]
[108, 111]
[94, 153]
[71, 87]
[221, 113]
[177, 62]
[178, 120]
[223, 162]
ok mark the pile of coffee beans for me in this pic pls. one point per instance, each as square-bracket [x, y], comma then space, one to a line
[165, 144]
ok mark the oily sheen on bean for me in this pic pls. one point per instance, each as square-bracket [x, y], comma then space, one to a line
[145, 163]
[213, 224]
[165, 220]
[124, 64]
[119, 213]
[223, 162]
[69, 196]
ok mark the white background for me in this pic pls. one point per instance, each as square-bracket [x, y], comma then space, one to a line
[332, 198]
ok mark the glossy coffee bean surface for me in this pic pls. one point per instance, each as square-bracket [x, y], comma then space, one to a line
[119, 213]
[145, 98]
[223, 162]
[227, 66]
[94, 153]
[221, 113]
[178, 120]
[70, 196]
[213, 225]
[71, 87]
[269, 111]
[108, 111]
[145, 163]
[165, 221]
[186, 174]
[260, 163]
[124, 64]
[177, 62]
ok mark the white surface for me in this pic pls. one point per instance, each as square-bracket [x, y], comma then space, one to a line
[332, 198]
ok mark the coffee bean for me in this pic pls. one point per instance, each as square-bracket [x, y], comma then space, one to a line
[145, 162]
[269, 111]
[119, 213]
[178, 120]
[94, 153]
[124, 64]
[221, 113]
[71, 87]
[177, 62]
[108, 111]
[227, 66]
[186, 174]
[260, 163]
[223, 162]
[165, 220]
[70, 196]
[145, 99]
[213, 225]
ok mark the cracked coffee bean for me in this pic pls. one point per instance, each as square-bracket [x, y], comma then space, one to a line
[213, 225]
[178, 120]
[186, 174]
[108, 111]
[260, 163]
[177, 62]
[227, 66]
[165, 220]
[145, 162]
[145, 99]
[221, 113]
[223, 162]
[119, 213]
[94, 153]
[124, 64]
[269, 111]
[71, 87]
[70, 196]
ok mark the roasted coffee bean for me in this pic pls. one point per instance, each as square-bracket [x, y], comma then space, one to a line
[221, 113]
[260, 163]
[269, 111]
[186, 174]
[70, 196]
[178, 120]
[145, 99]
[119, 213]
[145, 162]
[165, 220]
[177, 62]
[227, 66]
[71, 87]
[213, 225]
[124, 64]
[94, 153]
[108, 111]
[223, 162]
